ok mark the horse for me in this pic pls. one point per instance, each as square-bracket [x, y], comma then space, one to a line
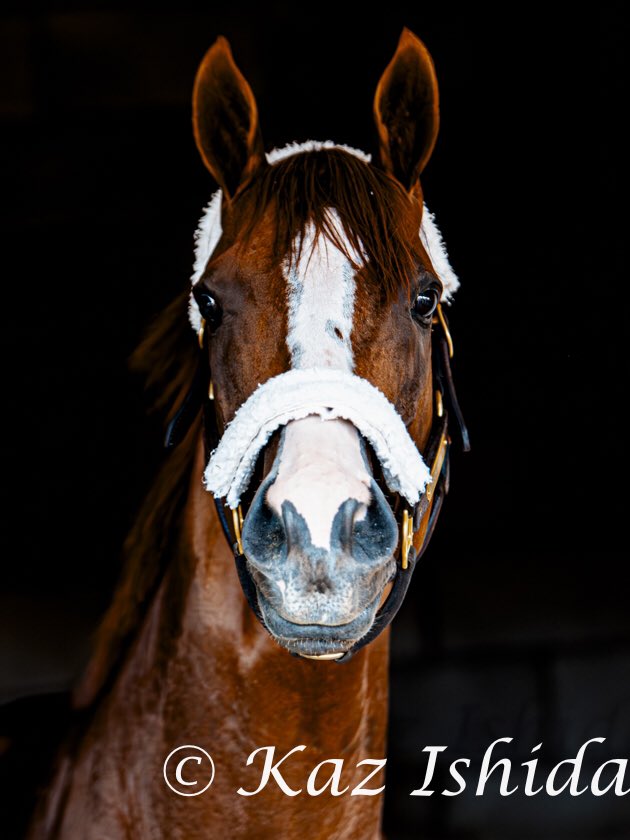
[319, 373]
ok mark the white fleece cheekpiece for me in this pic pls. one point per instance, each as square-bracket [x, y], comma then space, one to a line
[330, 394]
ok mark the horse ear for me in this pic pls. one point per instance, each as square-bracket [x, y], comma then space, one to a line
[225, 119]
[406, 110]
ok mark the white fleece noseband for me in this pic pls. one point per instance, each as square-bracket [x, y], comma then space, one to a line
[331, 394]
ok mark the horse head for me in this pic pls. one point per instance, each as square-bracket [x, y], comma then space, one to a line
[318, 278]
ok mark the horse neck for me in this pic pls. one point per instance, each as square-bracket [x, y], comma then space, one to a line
[229, 688]
[202, 671]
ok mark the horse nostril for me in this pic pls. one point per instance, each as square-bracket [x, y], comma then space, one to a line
[344, 523]
[364, 531]
[296, 531]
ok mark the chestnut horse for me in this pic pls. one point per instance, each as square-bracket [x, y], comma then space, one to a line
[308, 260]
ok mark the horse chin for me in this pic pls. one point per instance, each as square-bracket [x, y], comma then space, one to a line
[317, 641]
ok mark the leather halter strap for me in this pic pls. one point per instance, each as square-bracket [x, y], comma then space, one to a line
[417, 526]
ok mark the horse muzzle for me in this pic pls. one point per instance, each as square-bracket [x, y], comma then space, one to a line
[319, 600]
[317, 547]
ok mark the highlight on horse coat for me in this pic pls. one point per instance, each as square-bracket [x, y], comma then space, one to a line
[309, 423]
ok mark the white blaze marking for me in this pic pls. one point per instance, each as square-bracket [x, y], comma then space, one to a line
[321, 305]
[321, 465]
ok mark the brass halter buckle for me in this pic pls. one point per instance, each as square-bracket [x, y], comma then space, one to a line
[237, 522]
[407, 538]
[201, 333]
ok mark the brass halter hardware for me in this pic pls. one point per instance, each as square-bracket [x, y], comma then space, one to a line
[211, 390]
[447, 333]
[200, 334]
[407, 518]
[436, 467]
[407, 537]
[237, 522]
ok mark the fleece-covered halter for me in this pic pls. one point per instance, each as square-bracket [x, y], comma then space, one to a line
[330, 394]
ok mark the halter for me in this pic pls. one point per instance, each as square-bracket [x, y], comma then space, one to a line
[417, 525]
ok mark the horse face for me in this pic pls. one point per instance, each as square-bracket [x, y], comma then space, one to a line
[320, 265]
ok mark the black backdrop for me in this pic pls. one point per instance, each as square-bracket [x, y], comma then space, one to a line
[517, 623]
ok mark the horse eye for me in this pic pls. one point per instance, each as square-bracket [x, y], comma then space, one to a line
[425, 304]
[209, 307]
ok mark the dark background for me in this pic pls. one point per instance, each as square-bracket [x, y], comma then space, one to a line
[517, 622]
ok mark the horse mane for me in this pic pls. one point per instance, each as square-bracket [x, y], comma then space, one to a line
[167, 357]
[370, 204]
[301, 189]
